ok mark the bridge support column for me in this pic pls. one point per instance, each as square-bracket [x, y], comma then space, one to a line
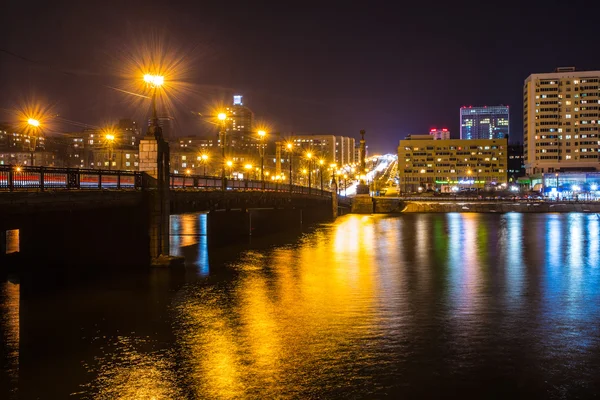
[154, 162]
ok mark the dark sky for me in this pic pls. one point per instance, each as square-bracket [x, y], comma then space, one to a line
[392, 68]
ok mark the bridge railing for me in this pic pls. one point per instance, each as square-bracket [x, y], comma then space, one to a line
[42, 178]
[179, 181]
[17, 178]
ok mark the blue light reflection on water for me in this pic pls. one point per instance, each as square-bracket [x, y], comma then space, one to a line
[188, 238]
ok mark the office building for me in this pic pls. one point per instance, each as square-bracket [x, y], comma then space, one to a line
[484, 122]
[451, 165]
[560, 121]
[516, 162]
[240, 125]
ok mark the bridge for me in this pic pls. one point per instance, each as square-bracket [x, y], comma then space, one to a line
[66, 214]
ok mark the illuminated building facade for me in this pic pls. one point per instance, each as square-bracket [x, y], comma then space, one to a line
[451, 165]
[560, 115]
[440, 134]
[484, 122]
[337, 149]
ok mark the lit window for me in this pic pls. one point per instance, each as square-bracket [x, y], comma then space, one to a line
[568, 116]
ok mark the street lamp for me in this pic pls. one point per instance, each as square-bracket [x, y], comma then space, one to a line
[154, 81]
[229, 165]
[261, 150]
[290, 149]
[469, 172]
[204, 158]
[110, 138]
[35, 124]
[345, 184]
[321, 162]
[222, 117]
[309, 156]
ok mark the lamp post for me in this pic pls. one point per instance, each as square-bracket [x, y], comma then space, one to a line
[35, 126]
[204, 158]
[290, 148]
[557, 195]
[345, 184]
[261, 136]
[110, 138]
[222, 117]
[469, 172]
[248, 168]
[321, 162]
[155, 81]
[229, 164]
[309, 156]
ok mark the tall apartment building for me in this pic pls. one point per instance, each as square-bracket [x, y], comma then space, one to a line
[484, 122]
[337, 149]
[560, 121]
[452, 164]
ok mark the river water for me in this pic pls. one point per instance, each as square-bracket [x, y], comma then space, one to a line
[421, 305]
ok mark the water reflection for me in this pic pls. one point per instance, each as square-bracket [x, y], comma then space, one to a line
[9, 337]
[188, 239]
[414, 306]
[356, 303]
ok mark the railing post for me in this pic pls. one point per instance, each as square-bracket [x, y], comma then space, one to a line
[99, 179]
[119, 180]
[42, 179]
[137, 180]
[11, 179]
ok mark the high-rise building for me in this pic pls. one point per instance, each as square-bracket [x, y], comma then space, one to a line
[440, 134]
[450, 165]
[516, 162]
[240, 124]
[560, 121]
[484, 122]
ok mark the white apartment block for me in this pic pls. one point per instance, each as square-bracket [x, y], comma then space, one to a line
[338, 149]
[560, 121]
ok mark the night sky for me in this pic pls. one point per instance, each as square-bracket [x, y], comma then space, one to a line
[304, 68]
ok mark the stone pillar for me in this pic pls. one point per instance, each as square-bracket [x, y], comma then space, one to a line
[362, 188]
[154, 163]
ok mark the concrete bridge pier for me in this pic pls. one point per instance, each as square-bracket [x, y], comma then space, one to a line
[154, 163]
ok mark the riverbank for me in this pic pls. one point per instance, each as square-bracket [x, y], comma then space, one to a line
[396, 205]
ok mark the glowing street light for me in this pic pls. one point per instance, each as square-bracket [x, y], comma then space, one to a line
[321, 162]
[204, 159]
[222, 116]
[309, 156]
[261, 149]
[35, 123]
[154, 81]
[110, 138]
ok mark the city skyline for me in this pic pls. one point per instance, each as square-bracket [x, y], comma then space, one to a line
[361, 70]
